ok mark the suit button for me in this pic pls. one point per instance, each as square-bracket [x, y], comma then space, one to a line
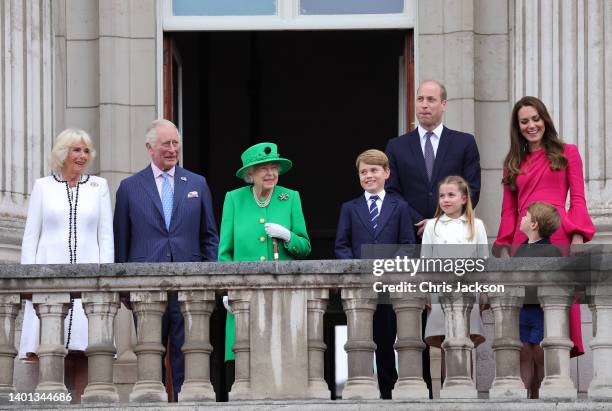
[262, 220]
[262, 238]
[262, 258]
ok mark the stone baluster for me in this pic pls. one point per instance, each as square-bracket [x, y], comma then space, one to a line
[601, 384]
[51, 309]
[101, 309]
[457, 345]
[507, 344]
[9, 307]
[240, 303]
[408, 308]
[197, 307]
[556, 302]
[359, 305]
[316, 306]
[149, 308]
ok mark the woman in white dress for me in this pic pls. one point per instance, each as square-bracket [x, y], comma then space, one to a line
[454, 232]
[69, 221]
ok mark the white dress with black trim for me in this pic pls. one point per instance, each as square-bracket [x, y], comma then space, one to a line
[66, 226]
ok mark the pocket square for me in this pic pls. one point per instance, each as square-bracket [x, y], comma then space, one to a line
[192, 194]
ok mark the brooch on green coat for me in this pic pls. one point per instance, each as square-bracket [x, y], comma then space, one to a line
[283, 196]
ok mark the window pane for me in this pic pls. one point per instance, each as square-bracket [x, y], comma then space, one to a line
[223, 7]
[351, 6]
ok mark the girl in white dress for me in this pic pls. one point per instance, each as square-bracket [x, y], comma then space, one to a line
[69, 221]
[454, 232]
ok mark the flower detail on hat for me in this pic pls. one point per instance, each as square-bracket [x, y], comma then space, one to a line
[283, 197]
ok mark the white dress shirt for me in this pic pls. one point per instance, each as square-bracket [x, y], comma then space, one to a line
[159, 179]
[435, 138]
[379, 202]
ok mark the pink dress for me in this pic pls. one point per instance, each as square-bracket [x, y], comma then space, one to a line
[537, 182]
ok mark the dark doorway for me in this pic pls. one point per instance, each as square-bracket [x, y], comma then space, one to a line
[322, 96]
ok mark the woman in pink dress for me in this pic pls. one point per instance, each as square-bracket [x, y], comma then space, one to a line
[540, 167]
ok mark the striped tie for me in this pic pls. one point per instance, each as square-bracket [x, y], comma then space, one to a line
[167, 197]
[374, 212]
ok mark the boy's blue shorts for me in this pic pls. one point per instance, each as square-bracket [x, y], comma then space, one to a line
[531, 323]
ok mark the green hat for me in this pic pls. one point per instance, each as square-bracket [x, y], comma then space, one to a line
[263, 153]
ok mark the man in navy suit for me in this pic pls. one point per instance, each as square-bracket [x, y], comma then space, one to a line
[163, 214]
[454, 153]
[422, 158]
[376, 218]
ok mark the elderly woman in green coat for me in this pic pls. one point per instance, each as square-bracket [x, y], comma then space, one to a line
[261, 221]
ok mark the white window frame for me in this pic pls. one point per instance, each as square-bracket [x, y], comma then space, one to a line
[288, 18]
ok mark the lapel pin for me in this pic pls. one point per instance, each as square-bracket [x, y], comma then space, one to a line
[283, 196]
[184, 178]
[94, 184]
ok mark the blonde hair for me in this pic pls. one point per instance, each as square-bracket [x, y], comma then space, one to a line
[63, 142]
[467, 209]
[546, 216]
[374, 157]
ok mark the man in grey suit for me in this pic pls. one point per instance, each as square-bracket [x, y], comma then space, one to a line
[163, 214]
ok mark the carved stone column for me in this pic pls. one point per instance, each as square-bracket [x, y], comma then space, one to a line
[457, 345]
[601, 385]
[556, 302]
[240, 302]
[9, 307]
[197, 307]
[149, 308]
[409, 346]
[101, 309]
[359, 305]
[507, 344]
[51, 309]
[317, 303]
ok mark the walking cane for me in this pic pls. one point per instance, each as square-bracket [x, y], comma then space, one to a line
[275, 244]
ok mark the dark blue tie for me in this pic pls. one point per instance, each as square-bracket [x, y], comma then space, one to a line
[374, 212]
[428, 153]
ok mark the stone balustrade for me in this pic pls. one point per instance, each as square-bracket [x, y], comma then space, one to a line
[279, 308]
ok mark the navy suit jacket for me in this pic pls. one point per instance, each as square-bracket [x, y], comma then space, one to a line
[140, 230]
[457, 155]
[395, 226]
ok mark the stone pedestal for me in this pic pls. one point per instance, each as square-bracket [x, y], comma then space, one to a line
[100, 309]
[408, 308]
[556, 302]
[9, 307]
[149, 308]
[240, 302]
[125, 370]
[197, 307]
[51, 309]
[316, 306]
[359, 305]
[457, 345]
[601, 384]
[507, 345]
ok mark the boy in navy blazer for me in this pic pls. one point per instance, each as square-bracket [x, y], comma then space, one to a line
[376, 217]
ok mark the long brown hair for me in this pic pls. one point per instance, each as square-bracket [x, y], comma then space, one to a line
[467, 208]
[518, 144]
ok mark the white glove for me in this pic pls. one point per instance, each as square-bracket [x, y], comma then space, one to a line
[278, 231]
[226, 303]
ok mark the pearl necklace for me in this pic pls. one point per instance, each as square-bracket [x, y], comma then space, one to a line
[259, 202]
[73, 200]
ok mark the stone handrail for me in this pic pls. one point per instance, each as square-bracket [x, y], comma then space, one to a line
[279, 308]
